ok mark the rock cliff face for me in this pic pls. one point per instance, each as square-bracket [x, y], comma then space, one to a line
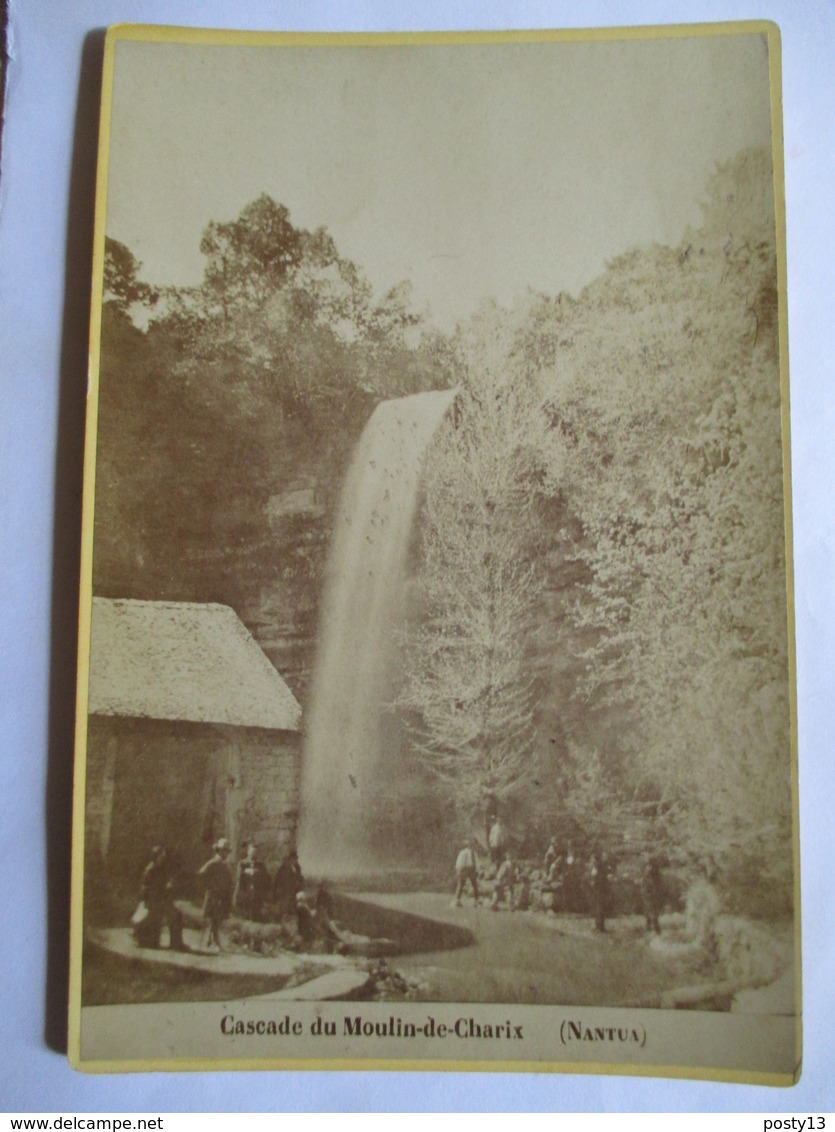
[279, 574]
[205, 502]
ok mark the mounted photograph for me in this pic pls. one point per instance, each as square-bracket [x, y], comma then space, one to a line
[436, 676]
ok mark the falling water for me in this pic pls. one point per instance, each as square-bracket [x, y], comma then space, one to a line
[349, 765]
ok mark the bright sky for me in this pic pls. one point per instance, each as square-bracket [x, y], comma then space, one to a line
[473, 171]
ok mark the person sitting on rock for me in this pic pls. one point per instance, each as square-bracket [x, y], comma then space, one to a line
[505, 879]
[305, 920]
[553, 884]
[523, 892]
[325, 923]
[316, 930]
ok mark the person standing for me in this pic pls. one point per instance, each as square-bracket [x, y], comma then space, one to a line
[600, 876]
[551, 855]
[651, 890]
[491, 812]
[157, 894]
[572, 899]
[251, 887]
[466, 869]
[219, 886]
[497, 842]
[288, 881]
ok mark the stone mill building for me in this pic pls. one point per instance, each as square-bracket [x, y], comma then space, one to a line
[192, 735]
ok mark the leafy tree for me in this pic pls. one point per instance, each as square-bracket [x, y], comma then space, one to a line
[667, 444]
[281, 315]
[236, 384]
[250, 258]
[653, 676]
[122, 286]
[468, 693]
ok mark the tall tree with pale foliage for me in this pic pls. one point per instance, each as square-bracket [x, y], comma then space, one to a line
[468, 690]
[648, 412]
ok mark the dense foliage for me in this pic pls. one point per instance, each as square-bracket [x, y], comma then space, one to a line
[600, 637]
[254, 387]
[655, 625]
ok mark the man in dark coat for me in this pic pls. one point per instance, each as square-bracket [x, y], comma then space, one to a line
[288, 881]
[157, 894]
[652, 889]
[219, 885]
[600, 877]
[252, 883]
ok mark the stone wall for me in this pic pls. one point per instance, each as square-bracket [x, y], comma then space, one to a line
[184, 785]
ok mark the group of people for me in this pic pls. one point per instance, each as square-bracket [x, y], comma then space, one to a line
[504, 881]
[255, 890]
[563, 882]
[247, 888]
[574, 884]
[467, 869]
[505, 877]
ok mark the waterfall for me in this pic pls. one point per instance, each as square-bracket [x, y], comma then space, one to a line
[349, 764]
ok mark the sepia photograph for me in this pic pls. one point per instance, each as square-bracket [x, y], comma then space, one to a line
[436, 695]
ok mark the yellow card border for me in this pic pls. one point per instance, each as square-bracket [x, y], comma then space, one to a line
[188, 35]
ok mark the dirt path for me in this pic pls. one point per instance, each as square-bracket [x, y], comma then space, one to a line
[120, 941]
[467, 954]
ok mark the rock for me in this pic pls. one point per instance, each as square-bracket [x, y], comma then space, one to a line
[705, 996]
[776, 998]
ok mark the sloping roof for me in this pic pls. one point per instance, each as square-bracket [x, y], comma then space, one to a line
[183, 660]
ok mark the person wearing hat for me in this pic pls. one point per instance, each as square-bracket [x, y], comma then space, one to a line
[219, 884]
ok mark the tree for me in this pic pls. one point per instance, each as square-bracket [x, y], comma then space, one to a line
[236, 383]
[285, 314]
[667, 442]
[654, 673]
[122, 286]
[250, 258]
[468, 694]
